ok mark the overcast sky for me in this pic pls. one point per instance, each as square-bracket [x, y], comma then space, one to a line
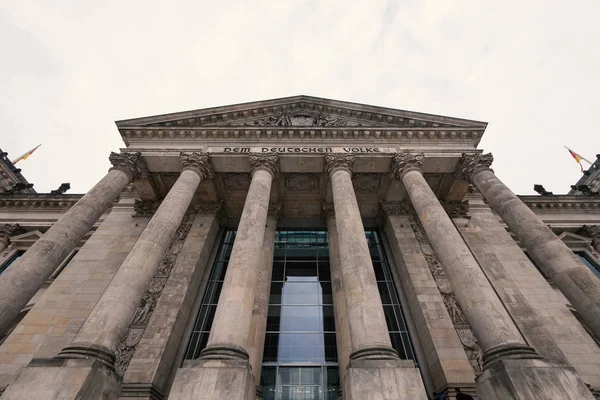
[69, 69]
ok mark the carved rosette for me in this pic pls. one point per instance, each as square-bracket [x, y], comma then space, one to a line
[327, 211]
[145, 208]
[456, 209]
[302, 183]
[130, 163]
[404, 162]
[268, 161]
[200, 162]
[472, 163]
[459, 320]
[335, 161]
[274, 210]
[8, 230]
[365, 183]
[144, 311]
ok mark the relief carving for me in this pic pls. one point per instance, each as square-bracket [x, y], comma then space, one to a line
[8, 230]
[146, 308]
[461, 325]
[366, 183]
[456, 209]
[285, 119]
[237, 182]
[302, 183]
[145, 208]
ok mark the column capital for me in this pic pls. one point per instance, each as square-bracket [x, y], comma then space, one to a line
[404, 162]
[131, 163]
[199, 162]
[268, 161]
[335, 161]
[327, 211]
[274, 210]
[8, 230]
[472, 163]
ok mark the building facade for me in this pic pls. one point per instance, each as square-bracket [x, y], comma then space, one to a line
[299, 248]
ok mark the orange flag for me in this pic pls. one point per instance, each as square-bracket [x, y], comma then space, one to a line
[577, 158]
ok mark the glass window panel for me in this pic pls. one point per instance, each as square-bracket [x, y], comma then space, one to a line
[275, 296]
[397, 344]
[201, 317]
[219, 270]
[384, 293]
[192, 346]
[273, 318]
[379, 275]
[278, 269]
[300, 347]
[324, 273]
[210, 315]
[225, 252]
[279, 253]
[271, 347]
[330, 347]
[588, 263]
[323, 254]
[213, 291]
[407, 346]
[310, 376]
[301, 319]
[327, 297]
[390, 318]
[328, 319]
[303, 270]
[289, 376]
[301, 293]
[400, 317]
[268, 375]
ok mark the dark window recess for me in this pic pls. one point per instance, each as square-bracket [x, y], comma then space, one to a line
[588, 262]
[11, 260]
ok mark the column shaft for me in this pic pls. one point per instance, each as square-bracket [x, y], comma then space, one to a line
[18, 285]
[117, 306]
[342, 327]
[579, 285]
[231, 325]
[491, 323]
[368, 329]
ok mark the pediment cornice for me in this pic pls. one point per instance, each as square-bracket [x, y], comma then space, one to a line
[563, 203]
[299, 111]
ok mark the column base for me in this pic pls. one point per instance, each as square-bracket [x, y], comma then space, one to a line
[375, 353]
[530, 379]
[223, 353]
[390, 379]
[65, 379]
[214, 379]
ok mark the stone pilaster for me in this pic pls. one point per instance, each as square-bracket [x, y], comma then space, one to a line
[593, 232]
[575, 280]
[256, 338]
[374, 365]
[18, 285]
[342, 327]
[6, 231]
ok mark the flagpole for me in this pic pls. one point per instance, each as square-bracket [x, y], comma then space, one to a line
[572, 152]
[24, 156]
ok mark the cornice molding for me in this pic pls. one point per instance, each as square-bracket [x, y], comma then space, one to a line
[554, 203]
[344, 133]
[39, 201]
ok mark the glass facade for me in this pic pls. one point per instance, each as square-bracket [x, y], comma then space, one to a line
[300, 353]
[588, 263]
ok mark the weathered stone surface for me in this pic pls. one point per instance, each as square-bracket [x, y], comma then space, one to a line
[558, 262]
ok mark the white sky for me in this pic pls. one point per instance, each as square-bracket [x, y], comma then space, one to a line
[69, 69]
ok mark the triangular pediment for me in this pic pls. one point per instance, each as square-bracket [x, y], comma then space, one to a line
[570, 238]
[300, 111]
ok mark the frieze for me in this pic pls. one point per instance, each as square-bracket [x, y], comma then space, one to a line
[576, 205]
[39, 202]
[285, 119]
[302, 183]
[145, 208]
[237, 182]
[461, 325]
[366, 183]
[456, 209]
[144, 311]
[395, 208]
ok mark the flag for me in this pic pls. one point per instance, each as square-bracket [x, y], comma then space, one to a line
[577, 158]
[24, 156]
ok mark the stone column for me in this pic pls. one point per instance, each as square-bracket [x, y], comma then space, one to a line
[6, 231]
[374, 369]
[593, 232]
[100, 334]
[342, 328]
[18, 285]
[368, 330]
[511, 368]
[256, 338]
[551, 255]
[229, 333]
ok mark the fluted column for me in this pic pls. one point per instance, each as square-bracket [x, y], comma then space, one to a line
[368, 330]
[256, 339]
[229, 333]
[18, 285]
[342, 328]
[491, 323]
[579, 285]
[6, 231]
[593, 232]
[100, 334]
